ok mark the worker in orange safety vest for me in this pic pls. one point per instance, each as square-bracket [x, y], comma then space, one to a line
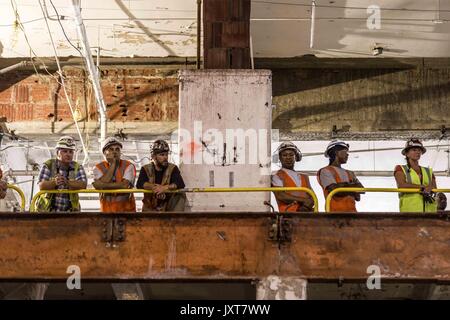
[115, 173]
[334, 176]
[292, 201]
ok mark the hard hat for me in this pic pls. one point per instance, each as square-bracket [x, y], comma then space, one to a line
[109, 142]
[159, 146]
[66, 142]
[413, 143]
[335, 143]
[290, 146]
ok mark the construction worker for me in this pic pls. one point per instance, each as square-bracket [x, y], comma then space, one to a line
[160, 176]
[412, 175]
[61, 173]
[334, 176]
[296, 201]
[114, 173]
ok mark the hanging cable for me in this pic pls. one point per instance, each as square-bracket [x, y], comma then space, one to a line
[62, 28]
[61, 75]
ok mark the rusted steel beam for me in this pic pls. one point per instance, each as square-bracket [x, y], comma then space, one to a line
[223, 246]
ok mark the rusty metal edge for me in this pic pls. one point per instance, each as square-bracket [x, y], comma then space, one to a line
[249, 215]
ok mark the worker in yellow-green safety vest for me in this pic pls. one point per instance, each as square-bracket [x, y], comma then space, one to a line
[61, 173]
[412, 175]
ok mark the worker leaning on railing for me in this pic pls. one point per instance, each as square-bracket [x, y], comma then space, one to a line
[115, 173]
[334, 176]
[61, 173]
[292, 201]
[159, 176]
[414, 176]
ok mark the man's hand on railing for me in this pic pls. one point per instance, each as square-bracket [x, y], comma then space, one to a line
[160, 189]
[60, 180]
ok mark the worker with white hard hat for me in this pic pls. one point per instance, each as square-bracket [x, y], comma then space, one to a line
[412, 175]
[287, 176]
[334, 176]
[60, 173]
[115, 173]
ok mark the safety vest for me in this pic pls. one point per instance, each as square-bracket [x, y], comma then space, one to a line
[150, 202]
[338, 204]
[413, 202]
[122, 202]
[45, 201]
[289, 182]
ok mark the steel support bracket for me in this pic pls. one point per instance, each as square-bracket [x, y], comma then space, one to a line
[113, 230]
[280, 229]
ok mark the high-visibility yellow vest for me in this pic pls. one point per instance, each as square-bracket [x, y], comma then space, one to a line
[44, 202]
[413, 202]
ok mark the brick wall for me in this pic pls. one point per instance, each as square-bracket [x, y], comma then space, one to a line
[130, 93]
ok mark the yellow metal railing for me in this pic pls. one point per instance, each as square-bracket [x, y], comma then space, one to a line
[397, 190]
[21, 194]
[187, 190]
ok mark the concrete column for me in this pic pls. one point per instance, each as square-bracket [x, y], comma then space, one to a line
[281, 288]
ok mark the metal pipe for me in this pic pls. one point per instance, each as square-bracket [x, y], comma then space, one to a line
[15, 66]
[189, 190]
[360, 173]
[91, 68]
[252, 60]
[396, 190]
[21, 194]
[199, 30]
[313, 23]
[98, 62]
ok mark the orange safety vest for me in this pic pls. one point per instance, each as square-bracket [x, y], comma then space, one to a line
[338, 204]
[117, 202]
[289, 182]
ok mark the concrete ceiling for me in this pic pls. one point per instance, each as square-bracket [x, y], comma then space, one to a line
[279, 28]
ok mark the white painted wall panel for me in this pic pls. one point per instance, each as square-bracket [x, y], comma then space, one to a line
[228, 101]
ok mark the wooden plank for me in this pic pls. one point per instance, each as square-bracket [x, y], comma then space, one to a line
[225, 246]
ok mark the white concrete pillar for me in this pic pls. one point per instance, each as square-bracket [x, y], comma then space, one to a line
[281, 288]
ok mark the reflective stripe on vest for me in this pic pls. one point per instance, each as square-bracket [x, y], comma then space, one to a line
[338, 204]
[413, 202]
[118, 177]
[45, 201]
[407, 172]
[289, 182]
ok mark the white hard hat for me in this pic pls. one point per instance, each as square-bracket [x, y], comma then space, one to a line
[413, 143]
[333, 144]
[66, 142]
[290, 146]
[109, 142]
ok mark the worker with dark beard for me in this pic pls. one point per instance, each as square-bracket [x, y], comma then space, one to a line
[161, 176]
